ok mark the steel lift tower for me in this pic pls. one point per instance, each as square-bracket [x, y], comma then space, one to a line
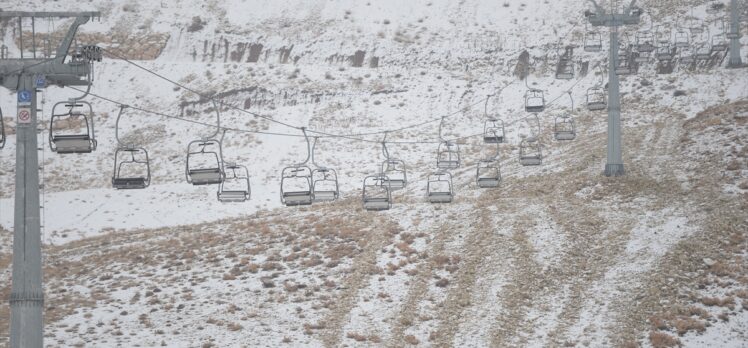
[24, 75]
[629, 16]
[734, 36]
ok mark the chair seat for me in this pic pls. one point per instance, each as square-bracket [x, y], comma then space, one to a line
[596, 106]
[535, 108]
[129, 183]
[376, 204]
[488, 182]
[233, 196]
[565, 135]
[297, 198]
[440, 197]
[448, 164]
[80, 143]
[490, 139]
[531, 161]
[206, 176]
[394, 184]
[325, 196]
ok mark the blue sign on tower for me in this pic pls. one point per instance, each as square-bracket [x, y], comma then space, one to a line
[24, 97]
[40, 81]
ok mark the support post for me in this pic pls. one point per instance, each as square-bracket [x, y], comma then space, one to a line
[735, 60]
[27, 296]
[614, 165]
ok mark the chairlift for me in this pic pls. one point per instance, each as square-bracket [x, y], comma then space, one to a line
[132, 168]
[686, 55]
[235, 187]
[488, 171]
[297, 187]
[393, 169]
[596, 99]
[624, 66]
[563, 126]
[663, 36]
[719, 42]
[565, 67]
[564, 129]
[493, 128]
[530, 153]
[642, 57]
[72, 130]
[439, 188]
[714, 6]
[493, 131]
[377, 194]
[645, 41]
[448, 155]
[204, 164]
[2, 130]
[534, 100]
[703, 52]
[593, 40]
[448, 152]
[324, 181]
[664, 53]
[395, 172]
[682, 38]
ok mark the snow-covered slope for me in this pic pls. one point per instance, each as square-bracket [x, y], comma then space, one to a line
[557, 256]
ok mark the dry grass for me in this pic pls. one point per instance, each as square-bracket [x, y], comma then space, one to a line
[663, 340]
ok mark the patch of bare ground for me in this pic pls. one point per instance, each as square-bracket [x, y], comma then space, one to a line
[417, 290]
[679, 294]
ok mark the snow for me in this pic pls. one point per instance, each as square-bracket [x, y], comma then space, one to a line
[435, 57]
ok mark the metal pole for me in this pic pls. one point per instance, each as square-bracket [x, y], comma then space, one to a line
[614, 166]
[735, 60]
[26, 296]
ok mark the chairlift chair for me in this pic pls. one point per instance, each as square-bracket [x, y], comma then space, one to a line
[377, 194]
[488, 173]
[325, 184]
[564, 129]
[664, 53]
[623, 66]
[448, 155]
[593, 41]
[296, 186]
[642, 57]
[235, 187]
[65, 135]
[719, 43]
[682, 38]
[596, 99]
[394, 169]
[439, 188]
[204, 162]
[565, 67]
[563, 125]
[534, 101]
[493, 131]
[530, 153]
[714, 6]
[395, 172]
[645, 41]
[703, 52]
[324, 180]
[132, 169]
[686, 55]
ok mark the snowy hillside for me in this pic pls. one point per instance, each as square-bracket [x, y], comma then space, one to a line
[556, 256]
